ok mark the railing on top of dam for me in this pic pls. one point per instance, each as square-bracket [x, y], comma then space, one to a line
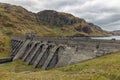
[64, 39]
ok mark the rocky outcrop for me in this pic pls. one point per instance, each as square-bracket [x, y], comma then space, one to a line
[60, 19]
[54, 18]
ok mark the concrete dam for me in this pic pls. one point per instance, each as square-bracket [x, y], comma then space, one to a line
[51, 52]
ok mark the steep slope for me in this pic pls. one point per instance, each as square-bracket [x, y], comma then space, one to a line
[17, 20]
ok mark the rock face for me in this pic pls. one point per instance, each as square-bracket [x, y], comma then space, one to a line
[50, 17]
[60, 19]
[16, 19]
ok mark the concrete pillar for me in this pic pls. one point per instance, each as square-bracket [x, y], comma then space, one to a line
[27, 54]
[13, 51]
[45, 56]
[34, 49]
[53, 51]
[35, 54]
[14, 48]
[18, 47]
[15, 44]
[44, 48]
[26, 50]
[22, 49]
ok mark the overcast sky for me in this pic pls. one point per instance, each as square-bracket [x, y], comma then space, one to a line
[105, 13]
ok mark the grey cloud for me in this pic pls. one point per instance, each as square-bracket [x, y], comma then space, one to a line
[109, 19]
[115, 25]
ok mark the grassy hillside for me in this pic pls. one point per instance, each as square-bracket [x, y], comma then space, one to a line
[102, 68]
[66, 22]
[17, 20]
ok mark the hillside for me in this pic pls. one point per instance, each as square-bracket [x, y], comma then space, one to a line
[17, 20]
[69, 23]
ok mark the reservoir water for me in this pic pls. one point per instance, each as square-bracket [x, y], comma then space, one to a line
[107, 38]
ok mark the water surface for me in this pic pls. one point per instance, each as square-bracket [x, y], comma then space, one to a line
[107, 38]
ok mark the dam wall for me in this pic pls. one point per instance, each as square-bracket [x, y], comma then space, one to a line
[51, 52]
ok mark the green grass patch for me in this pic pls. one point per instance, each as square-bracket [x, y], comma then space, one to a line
[102, 68]
[17, 66]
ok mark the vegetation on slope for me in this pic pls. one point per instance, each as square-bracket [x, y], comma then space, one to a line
[4, 46]
[67, 22]
[102, 68]
[17, 20]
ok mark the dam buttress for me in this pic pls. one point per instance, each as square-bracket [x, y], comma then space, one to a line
[51, 52]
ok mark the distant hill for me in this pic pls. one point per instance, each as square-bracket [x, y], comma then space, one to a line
[116, 32]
